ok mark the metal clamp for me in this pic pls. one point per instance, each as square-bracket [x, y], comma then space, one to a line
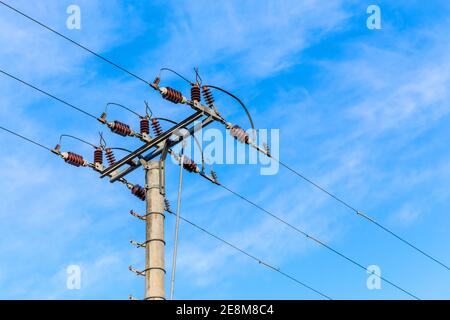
[134, 214]
[138, 272]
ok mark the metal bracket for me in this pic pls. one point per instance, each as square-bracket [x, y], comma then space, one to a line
[138, 272]
[139, 244]
[162, 163]
[153, 143]
[134, 214]
[160, 148]
[148, 186]
[145, 137]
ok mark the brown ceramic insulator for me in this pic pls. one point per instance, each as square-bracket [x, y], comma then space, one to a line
[239, 134]
[195, 93]
[156, 81]
[189, 164]
[74, 159]
[121, 128]
[139, 192]
[145, 126]
[207, 94]
[214, 175]
[98, 156]
[267, 148]
[167, 205]
[110, 156]
[173, 95]
[156, 126]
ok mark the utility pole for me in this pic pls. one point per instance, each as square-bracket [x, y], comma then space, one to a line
[159, 145]
[154, 250]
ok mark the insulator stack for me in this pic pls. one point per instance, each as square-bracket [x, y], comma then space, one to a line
[145, 126]
[98, 156]
[207, 94]
[167, 205]
[74, 159]
[266, 148]
[110, 156]
[156, 126]
[214, 175]
[172, 95]
[139, 192]
[189, 164]
[195, 93]
[239, 134]
[156, 82]
[121, 128]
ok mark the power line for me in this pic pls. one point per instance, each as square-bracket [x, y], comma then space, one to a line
[74, 42]
[250, 202]
[81, 110]
[359, 213]
[76, 138]
[177, 227]
[267, 212]
[368, 218]
[25, 138]
[338, 199]
[145, 81]
[303, 177]
[359, 265]
[261, 262]
[176, 73]
[87, 113]
[239, 101]
[48, 94]
[200, 228]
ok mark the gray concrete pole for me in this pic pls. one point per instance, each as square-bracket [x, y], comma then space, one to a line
[155, 244]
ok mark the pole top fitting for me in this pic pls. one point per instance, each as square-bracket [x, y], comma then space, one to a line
[56, 150]
[102, 118]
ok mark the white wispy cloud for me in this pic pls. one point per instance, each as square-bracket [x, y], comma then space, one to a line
[253, 38]
[375, 92]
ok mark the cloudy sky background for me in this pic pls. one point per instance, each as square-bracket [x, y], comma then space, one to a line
[363, 112]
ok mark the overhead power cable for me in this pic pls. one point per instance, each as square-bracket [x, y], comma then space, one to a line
[177, 228]
[143, 80]
[240, 102]
[213, 179]
[284, 165]
[74, 42]
[360, 213]
[123, 107]
[242, 136]
[48, 94]
[89, 114]
[321, 243]
[176, 73]
[267, 212]
[261, 262]
[76, 138]
[200, 228]
[25, 138]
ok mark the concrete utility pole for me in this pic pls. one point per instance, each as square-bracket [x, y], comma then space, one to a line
[154, 250]
[153, 193]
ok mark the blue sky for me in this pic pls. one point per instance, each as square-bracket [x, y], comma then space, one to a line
[363, 112]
